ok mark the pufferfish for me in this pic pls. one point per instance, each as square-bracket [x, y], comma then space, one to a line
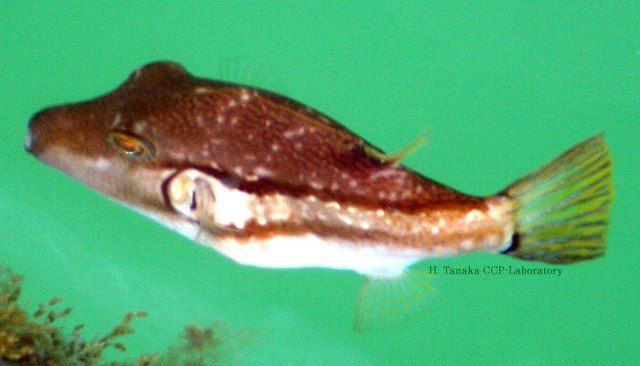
[270, 182]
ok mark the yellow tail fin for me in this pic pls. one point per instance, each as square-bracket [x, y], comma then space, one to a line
[562, 209]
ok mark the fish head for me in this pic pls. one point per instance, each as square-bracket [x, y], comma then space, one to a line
[130, 143]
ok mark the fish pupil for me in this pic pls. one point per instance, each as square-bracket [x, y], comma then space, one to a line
[131, 148]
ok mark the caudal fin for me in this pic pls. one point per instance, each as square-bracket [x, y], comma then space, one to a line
[562, 209]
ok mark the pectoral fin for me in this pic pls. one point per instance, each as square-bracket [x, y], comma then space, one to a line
[385, 301]
[190, 192]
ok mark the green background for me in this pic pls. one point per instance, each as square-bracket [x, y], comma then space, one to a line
[502, 87]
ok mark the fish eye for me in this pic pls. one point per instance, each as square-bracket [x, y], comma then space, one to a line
[132, 146]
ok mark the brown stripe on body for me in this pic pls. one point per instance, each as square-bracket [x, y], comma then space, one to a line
[446, 229]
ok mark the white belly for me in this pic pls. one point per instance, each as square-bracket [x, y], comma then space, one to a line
[312, 251]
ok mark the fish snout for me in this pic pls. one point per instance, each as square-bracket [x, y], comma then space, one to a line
[33, 140]
[46, 127]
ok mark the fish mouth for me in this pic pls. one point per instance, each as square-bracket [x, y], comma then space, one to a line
[28, 142]
[37, 130]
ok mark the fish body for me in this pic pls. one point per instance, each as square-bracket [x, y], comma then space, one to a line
[270, 182]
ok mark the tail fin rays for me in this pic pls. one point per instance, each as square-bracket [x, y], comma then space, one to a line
[562, 209]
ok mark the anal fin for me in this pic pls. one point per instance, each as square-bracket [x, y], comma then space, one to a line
[385, 301]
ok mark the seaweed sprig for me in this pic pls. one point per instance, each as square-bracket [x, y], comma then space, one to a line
[37, 339]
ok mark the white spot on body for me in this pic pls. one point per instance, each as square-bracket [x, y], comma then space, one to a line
[473, 216]
[262, 172]
[384, 173]
[293, 133]
[275, 147]
[346, 219]
[244, 95]
[117, 120]
[102, 164]
[332, 204]
[140, 126]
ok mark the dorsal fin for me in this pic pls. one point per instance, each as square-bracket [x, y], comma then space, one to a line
[396, 157]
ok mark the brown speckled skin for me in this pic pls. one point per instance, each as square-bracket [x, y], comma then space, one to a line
[256, 141]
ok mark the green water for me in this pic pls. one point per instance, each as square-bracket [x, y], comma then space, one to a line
[502, 87]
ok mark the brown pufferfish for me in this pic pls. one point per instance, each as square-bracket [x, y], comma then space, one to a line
[270, 182]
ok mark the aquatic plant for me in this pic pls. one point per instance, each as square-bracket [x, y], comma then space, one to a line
[217, 344]
[37, 339]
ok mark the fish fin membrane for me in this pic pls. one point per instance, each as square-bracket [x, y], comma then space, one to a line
[562, 209]
[396, 157]
[384, 302]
